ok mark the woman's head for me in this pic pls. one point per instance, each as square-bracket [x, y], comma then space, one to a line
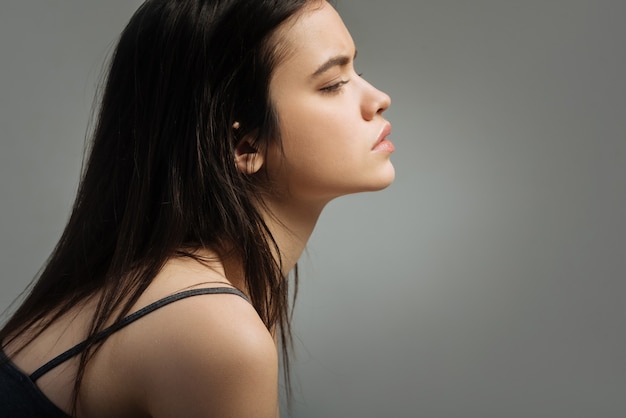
[198, 94]
[197, 97]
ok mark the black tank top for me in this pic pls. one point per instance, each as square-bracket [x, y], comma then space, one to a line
[21, 398]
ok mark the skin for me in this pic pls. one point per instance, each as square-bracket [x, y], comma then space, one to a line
[330, 117]
[221, 361]
[329, 123]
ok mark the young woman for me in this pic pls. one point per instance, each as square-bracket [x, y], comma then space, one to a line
[224, 129]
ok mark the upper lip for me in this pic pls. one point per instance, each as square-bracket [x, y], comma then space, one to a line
[384, 133]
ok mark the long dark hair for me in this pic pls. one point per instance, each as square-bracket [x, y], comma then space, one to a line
[160, 176]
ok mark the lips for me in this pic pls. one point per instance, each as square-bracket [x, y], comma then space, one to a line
[382, 143]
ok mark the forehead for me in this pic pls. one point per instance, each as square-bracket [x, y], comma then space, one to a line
[314, 35]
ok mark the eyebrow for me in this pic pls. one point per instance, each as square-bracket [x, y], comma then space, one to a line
[339, 60]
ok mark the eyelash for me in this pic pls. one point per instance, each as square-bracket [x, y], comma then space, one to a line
[336, 88]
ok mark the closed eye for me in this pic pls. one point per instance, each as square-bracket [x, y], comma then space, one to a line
[334, 88]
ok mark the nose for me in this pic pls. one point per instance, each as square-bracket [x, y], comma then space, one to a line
[374, 102]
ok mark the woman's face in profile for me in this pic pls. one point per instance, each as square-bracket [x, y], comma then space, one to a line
[331, 122]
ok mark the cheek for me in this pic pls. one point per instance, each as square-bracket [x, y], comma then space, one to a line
[314, 130]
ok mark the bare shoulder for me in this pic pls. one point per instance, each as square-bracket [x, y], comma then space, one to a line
[207, 355]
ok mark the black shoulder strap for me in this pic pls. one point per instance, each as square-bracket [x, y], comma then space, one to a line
[78, 348]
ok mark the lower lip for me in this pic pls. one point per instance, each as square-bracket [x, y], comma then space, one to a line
[385, 146]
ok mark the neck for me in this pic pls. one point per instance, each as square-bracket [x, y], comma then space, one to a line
[291, 226]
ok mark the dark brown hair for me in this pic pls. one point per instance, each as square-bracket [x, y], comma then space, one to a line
[160, 175]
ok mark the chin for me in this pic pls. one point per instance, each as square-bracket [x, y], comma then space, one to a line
[371, 183]
[380, 182]
[385, 179]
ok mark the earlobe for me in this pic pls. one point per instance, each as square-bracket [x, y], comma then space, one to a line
[248, 159]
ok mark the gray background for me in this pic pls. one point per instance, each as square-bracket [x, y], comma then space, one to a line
[488, 281]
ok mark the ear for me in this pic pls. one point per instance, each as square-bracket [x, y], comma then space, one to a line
[248, 159]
